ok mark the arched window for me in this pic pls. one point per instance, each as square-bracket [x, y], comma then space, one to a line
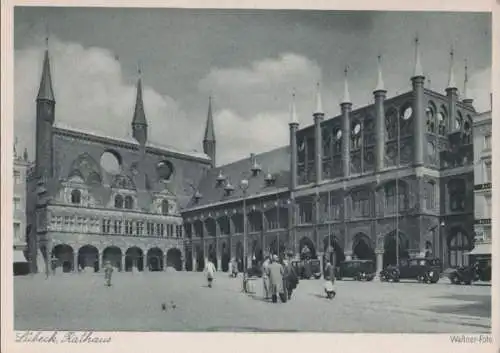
[338, 141]
[467, 136]
[441, 117]
[458, 246]
[164, 207]
[456, 195]
[459, 121]
[129, 202]
[76, 197]
[118, 201]
[430, 113]
[356, 136]
[391, 124]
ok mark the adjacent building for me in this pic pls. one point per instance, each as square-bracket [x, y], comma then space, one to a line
[482, 132]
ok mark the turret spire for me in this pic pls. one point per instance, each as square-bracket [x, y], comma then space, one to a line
[451, 77]
[466, 81]
[417, 72]
[139, 122]
[45, 92]
[380, 80]
[209, 128]
[347, 96]
[293, 111]
[319, 104]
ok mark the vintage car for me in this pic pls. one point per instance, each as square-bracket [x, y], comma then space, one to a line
[479, 271]
[359, 270]
[426, 270]
[254, 271]
[308, 268]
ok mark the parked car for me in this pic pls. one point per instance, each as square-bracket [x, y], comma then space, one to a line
[359, 270]
[426, 270]
[479, 271]
[306, 269]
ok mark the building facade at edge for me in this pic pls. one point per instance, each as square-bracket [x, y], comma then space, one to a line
[398, 172]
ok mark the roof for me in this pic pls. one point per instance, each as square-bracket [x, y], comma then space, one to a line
[46, 92]
[275, 162]
[130, 141]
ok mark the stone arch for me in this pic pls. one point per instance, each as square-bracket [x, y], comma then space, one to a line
[333, 249]
[362, 247]
[114, 255]
[85, 167]
[134, 259]
[212, 254]
[224, 225]
[255, 221]
[198, 229]
[390, 247]
[129, 202]
[65, 257]
[225, 256]
[211, 227]
[307, 248]
[76, 196]
[237, 219]
[88, 258]
[200, 259]
[154, 259]
[442, 117]
[174, 258]
[430, 113]
[118, 201]
[459, 243]
[239, 255]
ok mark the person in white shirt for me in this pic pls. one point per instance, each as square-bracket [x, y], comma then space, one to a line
[210, 271]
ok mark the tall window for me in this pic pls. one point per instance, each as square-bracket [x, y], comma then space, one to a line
[487, 142]
[118, 201]
[106, 226]
[164, 207]
[17, 203]
[430, 195]
[118, 227]
[361, 206]
[456, 195]
[431, 125]
[129, 202]
[487, 171]
[128, 228]
[457, 249]
[76, 197]
[178, 231]
[306, 212]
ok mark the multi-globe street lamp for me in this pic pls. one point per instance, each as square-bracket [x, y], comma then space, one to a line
[244, 188]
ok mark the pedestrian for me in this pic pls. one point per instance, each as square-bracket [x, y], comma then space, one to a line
[291, 278]
[108, 272]
[329, 280]
[265, 277]
[234, 268]
[275, 273]
[210, 272]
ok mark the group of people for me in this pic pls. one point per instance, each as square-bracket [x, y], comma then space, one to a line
[280, 279]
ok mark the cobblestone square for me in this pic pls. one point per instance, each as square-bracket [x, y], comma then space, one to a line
[134, 303]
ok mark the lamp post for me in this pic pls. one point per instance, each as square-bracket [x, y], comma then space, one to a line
[244, 188]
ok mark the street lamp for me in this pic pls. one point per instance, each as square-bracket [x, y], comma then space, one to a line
[244, 188]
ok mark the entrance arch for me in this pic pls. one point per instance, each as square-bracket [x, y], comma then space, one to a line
[458, 245]
[88, 257]
[200, 259]
[64, 255]
[390, 248]
[225, 258]
[113, 254]
[155, 259]
[134, 259]
[337, 255]
[174, 259]
[212, 255]
[362, 247]
[307, 248]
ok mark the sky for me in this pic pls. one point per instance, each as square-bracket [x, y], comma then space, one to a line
[249, 61]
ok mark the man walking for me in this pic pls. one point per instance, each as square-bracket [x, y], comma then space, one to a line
[108, 272]
[210, 271]
[275, 273]
[265, 277]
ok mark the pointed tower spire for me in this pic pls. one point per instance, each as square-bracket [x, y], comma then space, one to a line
[293, 110]
[417, 72]
[319, 104]
[347, 96]
[451, 76]
[139, 122]
[45, 92]
[380, 80]
[209, 128]
[466, 100]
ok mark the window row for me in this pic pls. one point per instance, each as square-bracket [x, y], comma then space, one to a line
[140, 228]
[75, 224]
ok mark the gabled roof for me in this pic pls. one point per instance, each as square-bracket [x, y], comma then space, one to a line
[275, 162]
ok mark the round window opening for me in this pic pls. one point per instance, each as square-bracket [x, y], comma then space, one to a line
[165, 170]
[110, 163]
[339, 134]
[357, 128]
[407, 113]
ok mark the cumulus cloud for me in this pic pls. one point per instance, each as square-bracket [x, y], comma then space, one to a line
[91, 94]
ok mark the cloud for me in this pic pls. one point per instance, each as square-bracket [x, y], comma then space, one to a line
[480, 88]
[91, 94]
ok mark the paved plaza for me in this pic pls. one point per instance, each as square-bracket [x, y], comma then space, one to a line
[134, 303]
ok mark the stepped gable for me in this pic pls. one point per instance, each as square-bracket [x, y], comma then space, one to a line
[276, 162]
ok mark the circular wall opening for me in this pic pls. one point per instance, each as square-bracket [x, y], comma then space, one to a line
[110, 162]
[165, 170]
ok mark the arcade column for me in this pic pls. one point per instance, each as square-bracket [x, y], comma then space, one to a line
[122, 263]
[75, 261]
[380, 261]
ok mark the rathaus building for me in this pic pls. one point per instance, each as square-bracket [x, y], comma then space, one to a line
[394, 174]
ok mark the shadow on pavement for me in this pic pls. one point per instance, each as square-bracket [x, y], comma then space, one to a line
[478, 305]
